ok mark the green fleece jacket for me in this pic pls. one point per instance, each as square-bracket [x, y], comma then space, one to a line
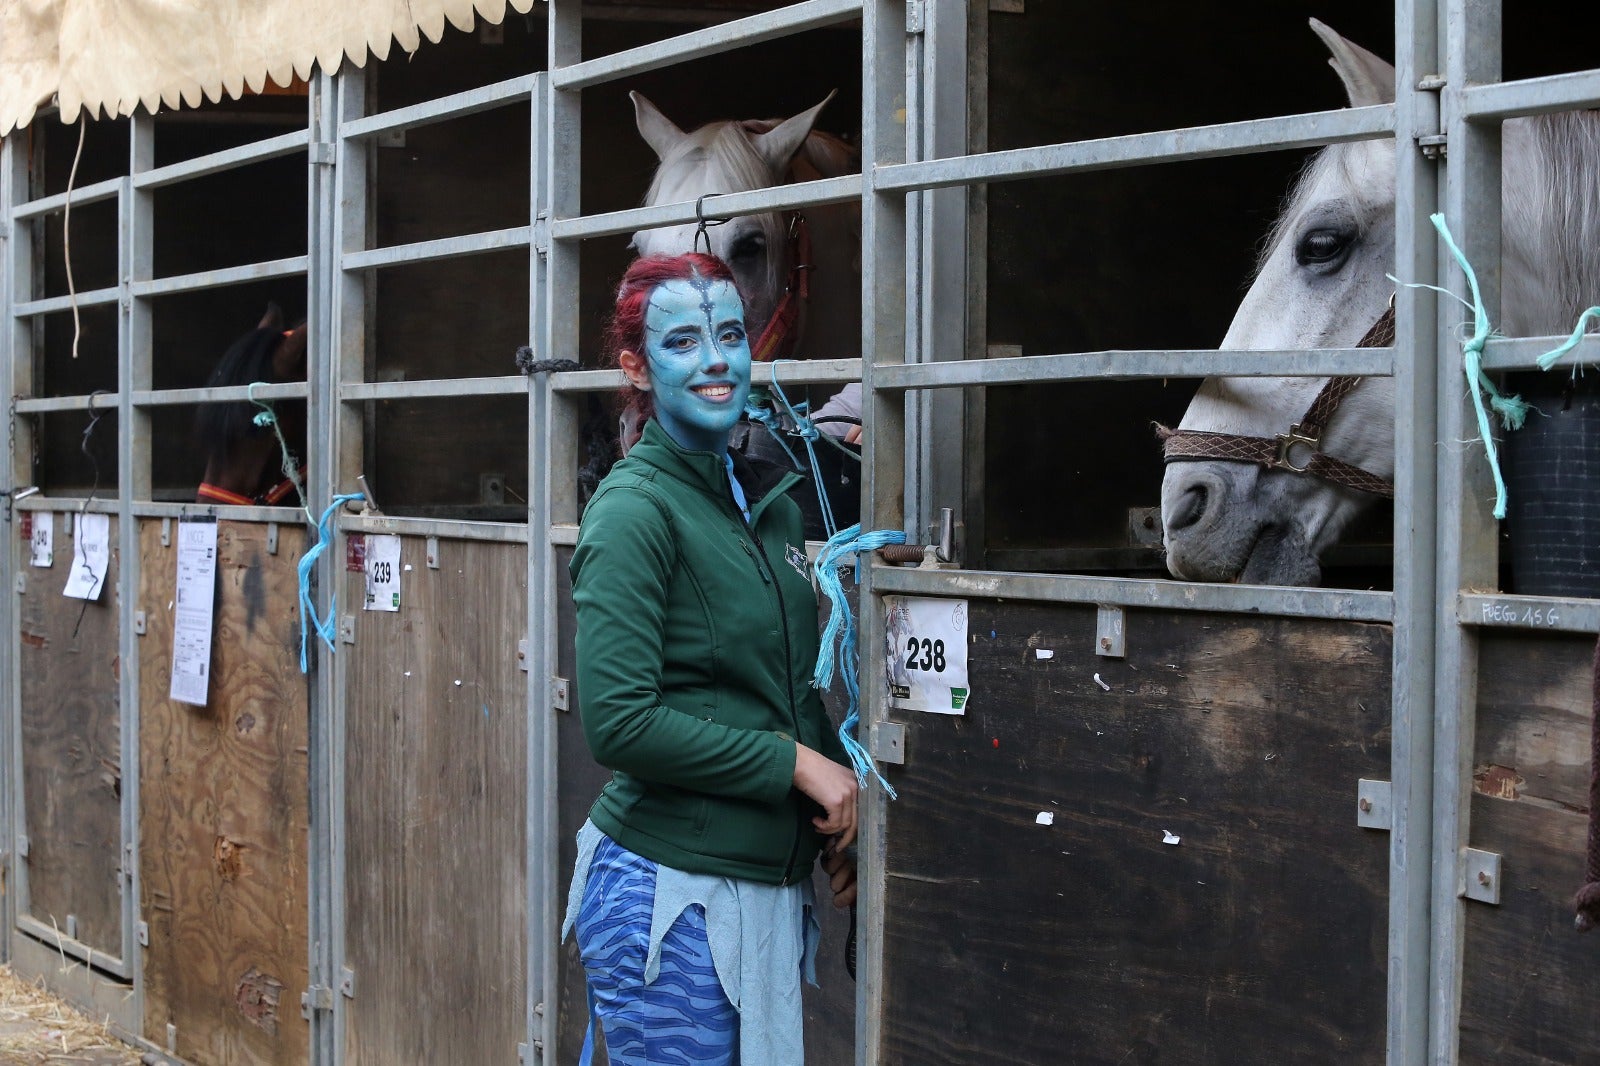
[697, 638]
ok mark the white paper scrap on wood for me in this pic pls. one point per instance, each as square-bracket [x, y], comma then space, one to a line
[193, 612]
[91, 556]
[927, 654]
[383, 573]
[42, 542]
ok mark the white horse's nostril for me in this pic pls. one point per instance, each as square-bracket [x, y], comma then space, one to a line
[1189, 509]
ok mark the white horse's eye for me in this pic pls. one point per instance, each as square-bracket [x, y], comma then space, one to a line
[748, 246]
[1324, 249]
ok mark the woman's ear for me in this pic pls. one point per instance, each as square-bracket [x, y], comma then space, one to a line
[633, 368]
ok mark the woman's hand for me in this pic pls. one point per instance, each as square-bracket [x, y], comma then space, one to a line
[834, 788]
[840, 866]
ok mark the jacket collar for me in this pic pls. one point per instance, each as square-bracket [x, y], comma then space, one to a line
[706, 471]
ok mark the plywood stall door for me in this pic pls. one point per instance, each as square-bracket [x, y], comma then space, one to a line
[71, 749]
[223, 812]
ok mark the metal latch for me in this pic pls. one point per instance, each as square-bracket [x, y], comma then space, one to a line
[315, 998]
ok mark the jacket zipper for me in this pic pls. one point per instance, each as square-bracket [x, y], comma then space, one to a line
[771, 579]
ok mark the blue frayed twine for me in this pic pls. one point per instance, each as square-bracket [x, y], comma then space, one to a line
[807, 432]
[839, 638]
[309, 622]
[1548, 359]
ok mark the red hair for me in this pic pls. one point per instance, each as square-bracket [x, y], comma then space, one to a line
[625, 333]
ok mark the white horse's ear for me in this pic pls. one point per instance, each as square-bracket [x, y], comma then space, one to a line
[779, 144]
[1367, 79]
[658, 131]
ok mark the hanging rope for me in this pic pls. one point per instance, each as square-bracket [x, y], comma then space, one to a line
[309, 622]
[267, 416]
[1548, 359]
[839, 638]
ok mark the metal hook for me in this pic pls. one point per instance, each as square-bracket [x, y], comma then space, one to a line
[702, 222]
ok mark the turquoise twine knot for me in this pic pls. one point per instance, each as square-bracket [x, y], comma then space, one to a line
[1513, 410]
[291, 469]
[309, 622]
[807, 432]
[839, 638]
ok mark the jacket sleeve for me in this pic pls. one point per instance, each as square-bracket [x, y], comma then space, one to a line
[621, 572]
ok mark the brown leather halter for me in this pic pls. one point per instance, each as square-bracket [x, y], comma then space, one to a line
[1278, 453]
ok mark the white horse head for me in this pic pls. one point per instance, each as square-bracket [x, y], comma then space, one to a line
[1321, 283]
[739, 156]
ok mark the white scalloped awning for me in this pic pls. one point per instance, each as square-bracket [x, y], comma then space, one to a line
[110, 56]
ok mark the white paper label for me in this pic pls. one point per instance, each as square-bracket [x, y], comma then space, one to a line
[927, 654]
[91, 556]
[43, 540]
[383, 573]
[192, 616]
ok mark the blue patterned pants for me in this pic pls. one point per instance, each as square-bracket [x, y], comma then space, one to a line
[683, 1016]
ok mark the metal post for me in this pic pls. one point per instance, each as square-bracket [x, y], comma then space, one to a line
[553, 499]
[325, 915]
[1416, 379]
[1468, 552]
[340, 439]
[9, 559]
[136, 229]
[883, 293]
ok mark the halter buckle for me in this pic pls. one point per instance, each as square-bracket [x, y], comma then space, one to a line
[1286, 441]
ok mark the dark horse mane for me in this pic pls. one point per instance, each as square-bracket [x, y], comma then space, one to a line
[220, 426]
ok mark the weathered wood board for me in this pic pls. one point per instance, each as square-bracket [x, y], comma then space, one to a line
[71, 748]
[435, 810]
[1257, 934]
[1529, 980]
[224, 809]
[829, 1009]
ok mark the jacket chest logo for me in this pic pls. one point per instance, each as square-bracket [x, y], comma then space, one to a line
[797, 559]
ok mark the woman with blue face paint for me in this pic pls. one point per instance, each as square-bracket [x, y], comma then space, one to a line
[697, 635]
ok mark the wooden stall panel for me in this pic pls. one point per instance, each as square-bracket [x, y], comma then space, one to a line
[71, 748]
[224, 809]
[435, 810]
[1529, 980]
[1201, 894]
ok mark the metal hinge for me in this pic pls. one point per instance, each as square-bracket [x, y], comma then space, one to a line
[1434, 146]
[889, 745]
[1480, 876]
[916, 16]
[1372, 804]
[315, 998]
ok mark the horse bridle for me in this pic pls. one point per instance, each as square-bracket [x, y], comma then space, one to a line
[1277, 453]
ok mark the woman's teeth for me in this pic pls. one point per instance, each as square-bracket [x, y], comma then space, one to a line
[714, 392]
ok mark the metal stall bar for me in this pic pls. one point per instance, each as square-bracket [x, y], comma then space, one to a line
[214, 279]
[553, 500]
[1416, 529]
[324, 919]
[1522, 353]
[884, 289]
[339, 429]
[443, 248]
[230, 159]
[279, 390]
[10, 759]
[1546, 614]
[1128, 365]
[443, 109]
[55, 304]
[843, 189]
[1309, 130]
[807, 372]
[1466, 539]
[785, 21]
[1498, 101]
[100, 191]
[99, 401]
[500, 385]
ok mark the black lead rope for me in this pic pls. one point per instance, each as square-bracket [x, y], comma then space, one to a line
[702, 222]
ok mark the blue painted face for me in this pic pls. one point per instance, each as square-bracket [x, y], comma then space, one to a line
[699, 360]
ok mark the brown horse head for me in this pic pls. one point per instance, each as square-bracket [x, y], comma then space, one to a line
[243, 459]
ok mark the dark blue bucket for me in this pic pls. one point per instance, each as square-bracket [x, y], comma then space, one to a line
[1553, 476]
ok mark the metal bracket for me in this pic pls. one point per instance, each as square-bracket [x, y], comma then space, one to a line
[347, 983]
[522, 655]
[541, 233]
[317, 997]
[172, 1039]
[522, 1053]
[72, 927]
[22, 584]
[1110, 632]
[144, 934]
[916, 16]
[347, 628]
[139, 623]
[1480, 876]
[1372, 804]
[1007, 7]
[272, 538]
[22, 846]
[433, 553]
[1432, 83]
[320, 153]
[890, 743]
[166, 532]
[1434, 146]
[560, 694]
